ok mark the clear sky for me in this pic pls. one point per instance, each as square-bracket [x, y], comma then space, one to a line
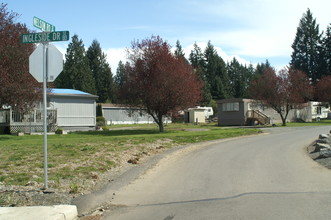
[250, 30]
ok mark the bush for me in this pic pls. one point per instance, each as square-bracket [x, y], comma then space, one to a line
[105, 128]
[60, 131]
[101, 121]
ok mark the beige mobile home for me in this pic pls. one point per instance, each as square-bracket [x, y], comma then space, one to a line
[240, 111]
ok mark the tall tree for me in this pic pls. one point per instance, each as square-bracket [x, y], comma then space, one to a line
[120, 79]
[240, 77]
[306, 46]
[121, 74]
[216, 73]
[158, 81]
[101, 72]
[18, 88]
[287, 90]
[76, 73]
[325, 53]
[197, 61]
[179, 53]
[261, 67]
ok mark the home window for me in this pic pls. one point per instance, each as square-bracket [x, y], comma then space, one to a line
[232, 106]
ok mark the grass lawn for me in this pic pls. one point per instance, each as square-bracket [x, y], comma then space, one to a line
[82, 156]
[314, 123]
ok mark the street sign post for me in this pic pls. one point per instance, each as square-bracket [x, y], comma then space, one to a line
[44, 37]
[43, 25]
[51, 58]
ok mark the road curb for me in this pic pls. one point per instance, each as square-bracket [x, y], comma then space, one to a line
[56, 212]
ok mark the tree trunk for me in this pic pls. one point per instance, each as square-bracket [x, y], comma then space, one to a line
[158, 119]
[161, 128]
[283, 120]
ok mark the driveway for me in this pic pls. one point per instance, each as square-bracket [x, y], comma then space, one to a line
[268, 176]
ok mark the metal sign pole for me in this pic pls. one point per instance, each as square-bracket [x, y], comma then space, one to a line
[54, 68]
[45, 112]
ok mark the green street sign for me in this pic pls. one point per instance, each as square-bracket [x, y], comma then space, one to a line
[43, 25]
[44, 37]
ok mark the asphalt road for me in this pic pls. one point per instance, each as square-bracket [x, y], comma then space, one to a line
[267, 176]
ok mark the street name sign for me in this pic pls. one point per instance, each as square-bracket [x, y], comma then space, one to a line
[43, 25]
[43, 37]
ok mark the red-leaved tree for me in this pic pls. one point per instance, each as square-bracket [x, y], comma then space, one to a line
[323, 89]
[18, 88]
[158, 81]
[289, 89]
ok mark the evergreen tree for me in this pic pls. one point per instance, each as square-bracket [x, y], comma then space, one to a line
[121, 74]
[101, 72]
[120, 79]
[260, 68]
[196, 59]
[76, 73]
[240, 77]
[306, 46]
[179, 53]
[216, 73]
[325, 56]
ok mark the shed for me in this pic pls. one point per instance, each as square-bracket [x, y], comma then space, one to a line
[195, 115]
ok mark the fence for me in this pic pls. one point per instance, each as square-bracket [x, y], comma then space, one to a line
[28, 122]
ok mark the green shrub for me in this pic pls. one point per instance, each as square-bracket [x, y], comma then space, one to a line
[101, 121]
[59, 131]
[105, 128]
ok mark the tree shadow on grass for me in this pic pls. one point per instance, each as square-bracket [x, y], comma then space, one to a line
[4, 137]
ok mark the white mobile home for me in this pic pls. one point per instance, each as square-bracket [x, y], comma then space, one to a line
[76, 110]
[66, 108]
[121, 114]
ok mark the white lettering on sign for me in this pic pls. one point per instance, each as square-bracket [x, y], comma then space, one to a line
[35, 38]
[56, 36]
[45, 37]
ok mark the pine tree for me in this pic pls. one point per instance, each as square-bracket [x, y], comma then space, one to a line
[179, 53]
[76, 73]
[121, 75]
[196, 59]
[216, 73]
[325, 56]
[240, 77]
[260, 68]
[305, 56]
[101, 72]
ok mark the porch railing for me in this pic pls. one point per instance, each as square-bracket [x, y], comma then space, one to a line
[258, 116]
[28, 122]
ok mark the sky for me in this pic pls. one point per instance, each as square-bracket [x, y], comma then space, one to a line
[252, 31]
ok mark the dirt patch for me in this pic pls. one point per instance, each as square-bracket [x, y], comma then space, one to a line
[63, 191]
